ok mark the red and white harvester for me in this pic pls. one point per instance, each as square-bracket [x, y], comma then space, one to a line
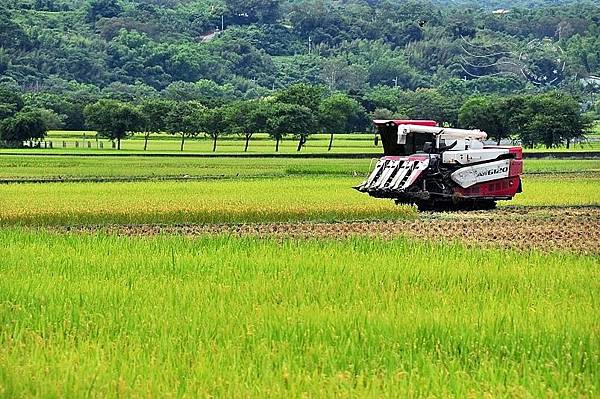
[439, 168]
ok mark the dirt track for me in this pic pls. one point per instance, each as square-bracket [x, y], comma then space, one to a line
[574, 229]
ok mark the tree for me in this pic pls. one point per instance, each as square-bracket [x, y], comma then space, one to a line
[551, 119]
[113, 119]
[23, 126]
[429, 104]
[341, 114]
[69, 111]
[246, 118]
[185, 119]
[488, 114]
[301, 94]
[213, 123]
[52, 120]
[290, 118]
[129, 93]
[103, 9]
[10, 103]
[155, 114]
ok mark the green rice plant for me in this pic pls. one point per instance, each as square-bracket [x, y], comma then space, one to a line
[216, 201]
[107, 316]
[558, 190]
[316, 198]
[23, 167]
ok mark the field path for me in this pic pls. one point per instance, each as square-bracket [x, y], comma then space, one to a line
[575, 229]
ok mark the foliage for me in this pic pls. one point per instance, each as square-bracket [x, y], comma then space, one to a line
[550, 119]
[103, 9]
[429, 104]
[246, 118]
[25, 125]
[492, 115]
[290, 119]
[114, 119]
[10, 103]
[415, 59]
[301, 94]
[187, 119]
[342, 114]
[348, 46]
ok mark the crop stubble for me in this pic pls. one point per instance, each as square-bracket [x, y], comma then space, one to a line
[575, 229]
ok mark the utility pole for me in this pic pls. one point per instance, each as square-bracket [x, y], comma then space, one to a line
[309, 42]
[395, 80]
[222, 22]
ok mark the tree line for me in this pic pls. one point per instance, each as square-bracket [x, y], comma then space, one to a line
[551, 118]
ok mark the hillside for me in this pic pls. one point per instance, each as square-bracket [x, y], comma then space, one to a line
[140, 48]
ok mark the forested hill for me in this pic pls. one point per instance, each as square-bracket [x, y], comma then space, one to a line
[141, 47]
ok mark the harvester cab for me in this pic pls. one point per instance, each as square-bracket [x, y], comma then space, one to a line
[440, 168]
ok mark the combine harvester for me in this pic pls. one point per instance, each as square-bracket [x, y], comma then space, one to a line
[439, 168]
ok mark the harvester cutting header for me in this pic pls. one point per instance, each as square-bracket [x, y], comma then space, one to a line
[439, 168]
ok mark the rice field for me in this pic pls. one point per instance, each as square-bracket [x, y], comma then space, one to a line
[274, 278]
[24, 167]
[305, 198]
[211, 201]
[98, 315]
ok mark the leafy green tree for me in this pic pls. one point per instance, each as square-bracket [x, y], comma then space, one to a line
[69, 111]
[10, 103]
[113, 119]
[303, 94]
[252, 11]
[394, 72]
[204, 91]
[430, 104]
[341, 114]
[246, 118]
[23, 126]
[103, 9]
[214, 124]
[488, 114]
[287, 119]
[12, 34]
[129, 93]
[382, 97]
[154, 112]
[186, 120]
[52, 120]
[551, 119]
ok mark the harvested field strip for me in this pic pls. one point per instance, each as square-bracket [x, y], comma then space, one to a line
[546, 229]
[107, 316]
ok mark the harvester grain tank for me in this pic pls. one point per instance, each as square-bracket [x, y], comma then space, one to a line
[440, 168]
